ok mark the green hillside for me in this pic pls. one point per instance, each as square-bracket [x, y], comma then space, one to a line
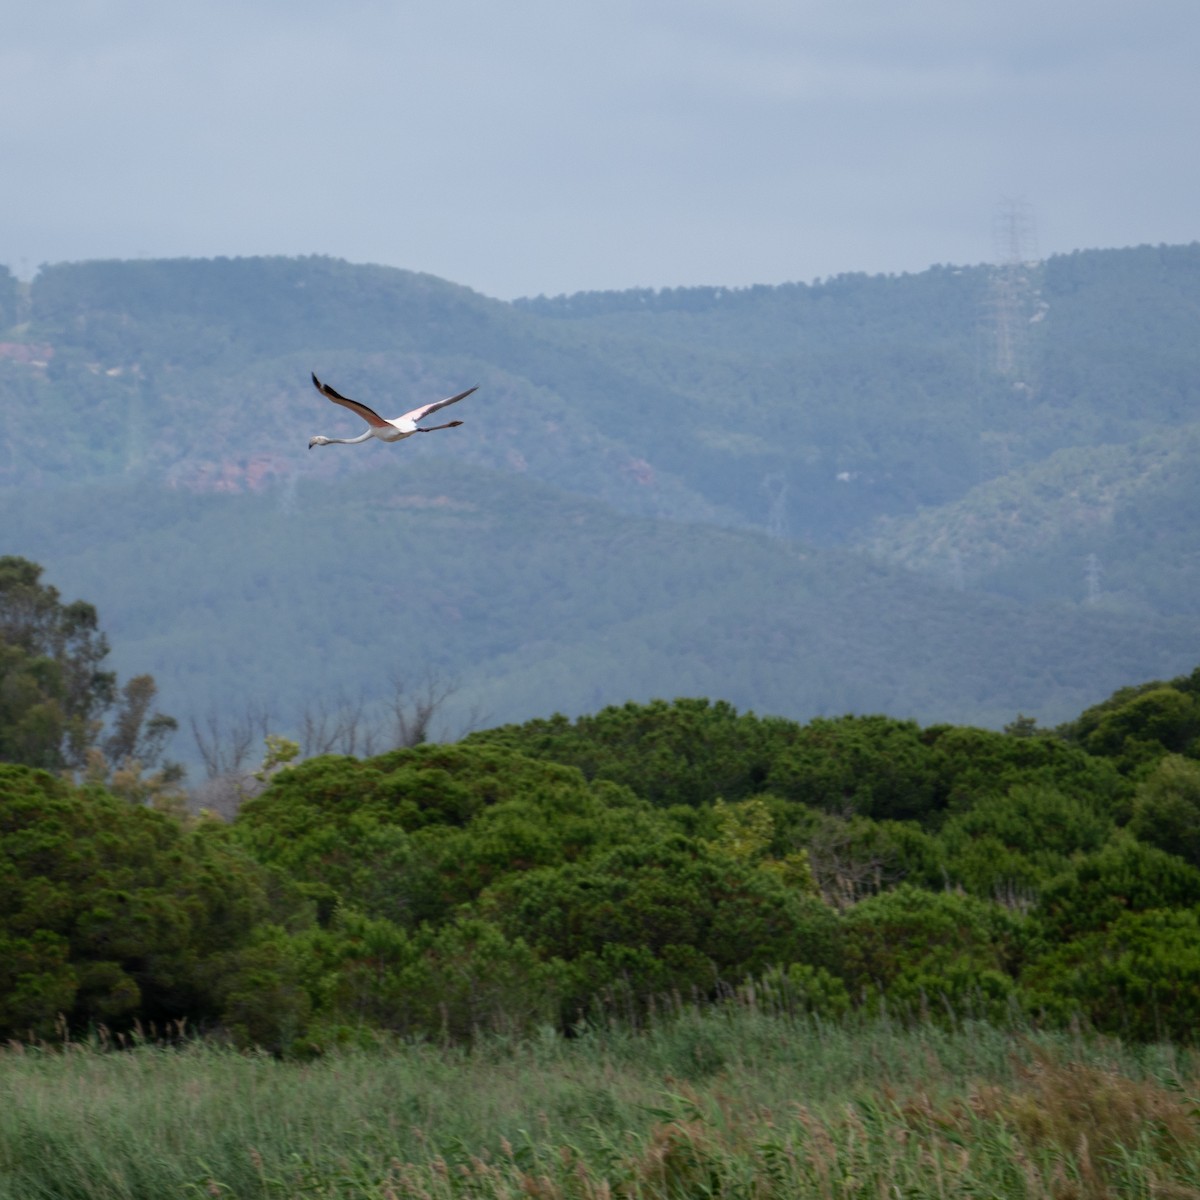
[156, 415]
[810, 409]
[533, 601]
[1122, 514]
[198, 372]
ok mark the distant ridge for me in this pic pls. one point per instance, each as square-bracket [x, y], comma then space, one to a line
[688, 487]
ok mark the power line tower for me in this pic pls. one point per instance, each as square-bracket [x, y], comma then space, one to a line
[1014, 300]
[1014, 233]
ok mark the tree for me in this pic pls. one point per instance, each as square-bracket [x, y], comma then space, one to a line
[1012, 843]
[226, 742]
[873, 766]
[411, 834]
[1140, 724]
[53, 690]
[672, 915]
[136, 732]
[973, 763]
[1139, 977]
[915, 947]
[113, 912]
[348, 726]
[744, 833]
[1124, 875]
[690, 751]
[55, 693]
[1166, 808]
[853, 857]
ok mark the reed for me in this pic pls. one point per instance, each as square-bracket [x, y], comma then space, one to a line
[717, 1102]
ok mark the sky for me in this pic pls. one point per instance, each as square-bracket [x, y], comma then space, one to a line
[526, 147]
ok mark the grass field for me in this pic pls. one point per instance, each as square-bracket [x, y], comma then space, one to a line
[708, 1103]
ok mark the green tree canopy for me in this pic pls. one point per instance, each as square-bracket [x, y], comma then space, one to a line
[54, 689]
[110, 911]
[1138, 977]
[1139, 724]
[916, 947]
[687, 751]
[411, 834]
[1166, 808]
[1125, 875]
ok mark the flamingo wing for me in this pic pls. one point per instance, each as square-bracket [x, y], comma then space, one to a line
[369, 415]
[419, 414]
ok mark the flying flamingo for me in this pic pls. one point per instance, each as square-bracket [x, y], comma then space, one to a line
[387, 431]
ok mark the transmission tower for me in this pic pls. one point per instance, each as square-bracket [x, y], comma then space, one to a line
[1013, 296]
[1014, 234]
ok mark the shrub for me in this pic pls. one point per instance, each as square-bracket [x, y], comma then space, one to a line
[1020, 839]
[111, 912]
[917, 947]
[1123, 876]
[1139, 977]
[1166, 808]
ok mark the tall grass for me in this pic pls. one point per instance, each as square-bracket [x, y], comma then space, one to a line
[709, 1103]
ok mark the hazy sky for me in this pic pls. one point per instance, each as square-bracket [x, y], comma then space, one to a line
[529, 146]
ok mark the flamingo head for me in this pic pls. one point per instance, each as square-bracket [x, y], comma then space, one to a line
[317, 441]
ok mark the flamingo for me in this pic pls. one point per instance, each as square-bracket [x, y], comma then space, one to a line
[387, 431]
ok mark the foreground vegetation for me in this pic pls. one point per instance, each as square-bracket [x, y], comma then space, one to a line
[666, 950]
[563, 872]
[736, 1102]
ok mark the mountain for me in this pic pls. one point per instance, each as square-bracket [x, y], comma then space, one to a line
[1111, 525]
[690, 491]
[812, 409]
[532, 600]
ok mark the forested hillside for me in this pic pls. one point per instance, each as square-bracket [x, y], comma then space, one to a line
[527, 600]
[653, 494]
[1111, 524]
[816, 407]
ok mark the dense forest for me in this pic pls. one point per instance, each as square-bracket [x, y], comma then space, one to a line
[811, 408]
[559, 873]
